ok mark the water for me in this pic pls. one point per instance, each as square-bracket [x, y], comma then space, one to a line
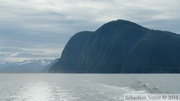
[83, 87]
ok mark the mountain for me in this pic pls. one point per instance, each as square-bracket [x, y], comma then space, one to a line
[121, 47]
[46, 68]
[6, 64]
[27, 66]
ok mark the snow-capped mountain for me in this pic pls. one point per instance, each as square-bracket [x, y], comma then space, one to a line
[27, 66]
[47, 67]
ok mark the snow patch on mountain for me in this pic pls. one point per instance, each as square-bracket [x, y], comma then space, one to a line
[24, 66]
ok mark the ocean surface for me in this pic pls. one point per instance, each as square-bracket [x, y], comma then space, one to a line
[84, 87]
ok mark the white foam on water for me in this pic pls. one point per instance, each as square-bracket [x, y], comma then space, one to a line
[37, 91]
[95, 91]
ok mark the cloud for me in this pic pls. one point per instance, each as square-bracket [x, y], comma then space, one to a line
[30, 26]
[20, 54]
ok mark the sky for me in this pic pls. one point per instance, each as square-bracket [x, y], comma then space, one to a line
[39, 29]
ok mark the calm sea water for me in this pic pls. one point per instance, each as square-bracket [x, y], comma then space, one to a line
[83, 87]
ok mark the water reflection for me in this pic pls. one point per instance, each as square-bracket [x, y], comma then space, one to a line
[34, 88]
[44, 91]
[36, 91]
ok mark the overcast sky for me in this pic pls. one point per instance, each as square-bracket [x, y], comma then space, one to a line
[39, 29]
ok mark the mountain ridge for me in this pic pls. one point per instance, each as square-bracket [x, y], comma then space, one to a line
[26, 66]
[120, 47]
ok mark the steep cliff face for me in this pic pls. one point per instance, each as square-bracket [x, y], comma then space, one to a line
[120, 46]
[156, 51]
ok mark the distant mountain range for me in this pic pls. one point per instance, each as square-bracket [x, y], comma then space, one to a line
[121, 47]
[47, 67]
[28, 66]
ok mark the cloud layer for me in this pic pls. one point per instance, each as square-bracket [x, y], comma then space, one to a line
[34, 29]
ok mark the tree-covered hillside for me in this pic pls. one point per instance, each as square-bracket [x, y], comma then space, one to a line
[121, 47]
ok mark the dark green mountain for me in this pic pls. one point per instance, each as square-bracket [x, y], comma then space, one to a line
[121, 47]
